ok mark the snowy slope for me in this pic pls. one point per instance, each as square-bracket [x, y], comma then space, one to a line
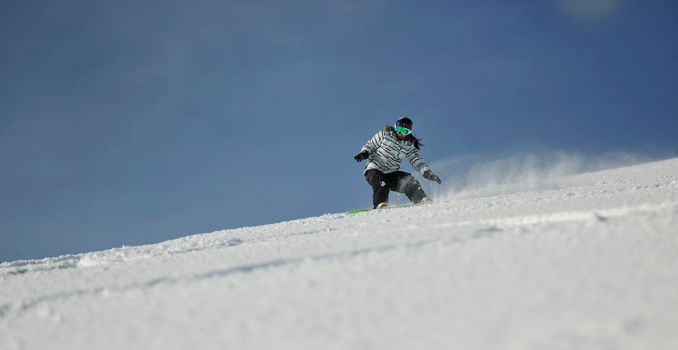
[589, 264]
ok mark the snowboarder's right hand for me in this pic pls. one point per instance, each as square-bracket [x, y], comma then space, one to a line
[361, 156]
[429, 175]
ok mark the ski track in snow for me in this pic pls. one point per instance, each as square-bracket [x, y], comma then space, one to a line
[592, 264]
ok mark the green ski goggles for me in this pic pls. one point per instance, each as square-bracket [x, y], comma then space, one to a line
[402, 130]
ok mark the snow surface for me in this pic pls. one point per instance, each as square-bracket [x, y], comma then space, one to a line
[591, 263]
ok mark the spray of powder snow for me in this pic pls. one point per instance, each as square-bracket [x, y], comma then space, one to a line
[475, 176]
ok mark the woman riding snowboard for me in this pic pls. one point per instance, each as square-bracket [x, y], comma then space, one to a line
[384, 152]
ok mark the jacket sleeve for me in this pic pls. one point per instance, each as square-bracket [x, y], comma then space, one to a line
[417, 162]
[374, 143]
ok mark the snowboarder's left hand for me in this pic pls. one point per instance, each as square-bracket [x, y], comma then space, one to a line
[429, 175]
[361, 156]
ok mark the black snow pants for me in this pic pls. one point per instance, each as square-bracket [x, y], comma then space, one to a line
[398, 181]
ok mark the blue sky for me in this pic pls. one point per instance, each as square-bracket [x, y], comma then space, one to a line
[133, 122]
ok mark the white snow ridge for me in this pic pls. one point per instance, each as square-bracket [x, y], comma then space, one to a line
[589, 265]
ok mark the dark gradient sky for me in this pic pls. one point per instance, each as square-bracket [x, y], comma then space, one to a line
[132, 122]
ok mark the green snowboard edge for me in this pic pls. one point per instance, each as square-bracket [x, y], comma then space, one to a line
[358, 211]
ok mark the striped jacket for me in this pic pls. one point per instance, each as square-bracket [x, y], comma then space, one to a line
[387, 151]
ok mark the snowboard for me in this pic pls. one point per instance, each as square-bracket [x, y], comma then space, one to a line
[392, 206]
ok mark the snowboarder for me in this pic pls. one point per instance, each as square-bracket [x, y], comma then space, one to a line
[384, 152]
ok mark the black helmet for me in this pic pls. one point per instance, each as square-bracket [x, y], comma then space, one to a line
[405, 122]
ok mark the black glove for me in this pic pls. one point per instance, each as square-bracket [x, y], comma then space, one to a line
[429, 175]
[361, 156]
